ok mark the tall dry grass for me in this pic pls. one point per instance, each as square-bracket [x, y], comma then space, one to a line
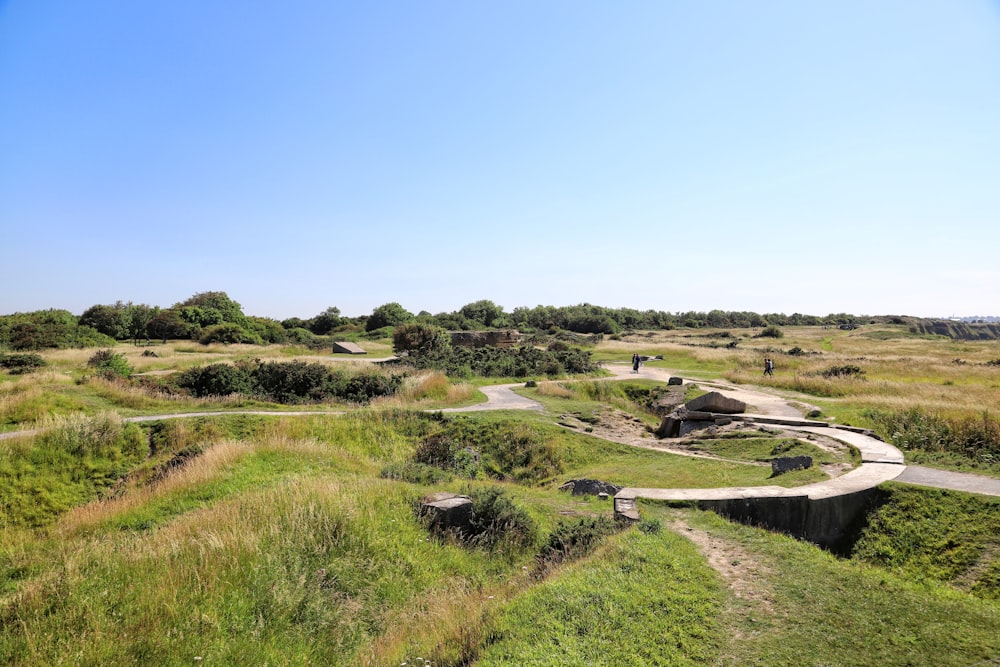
[429, 387]
[29, 397]
[555, 390]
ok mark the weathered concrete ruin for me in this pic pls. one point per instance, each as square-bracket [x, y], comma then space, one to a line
[499, 338]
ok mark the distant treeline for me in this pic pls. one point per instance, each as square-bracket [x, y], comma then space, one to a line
[212, 317]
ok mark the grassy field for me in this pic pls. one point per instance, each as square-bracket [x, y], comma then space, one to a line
[850, 376]
[248, 539]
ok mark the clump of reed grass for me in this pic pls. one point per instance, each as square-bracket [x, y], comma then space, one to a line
[555, 390]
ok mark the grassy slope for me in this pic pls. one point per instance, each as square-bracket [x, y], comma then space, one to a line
[285, 547]
[279, 544]
[825, 611]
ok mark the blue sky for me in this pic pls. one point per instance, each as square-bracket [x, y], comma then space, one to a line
[767, 156]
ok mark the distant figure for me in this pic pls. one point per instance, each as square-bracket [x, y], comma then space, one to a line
[768, 367]
[635, 363]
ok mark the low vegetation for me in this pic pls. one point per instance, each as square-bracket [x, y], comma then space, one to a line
[248, 539]
[930, 534]
[972, 440]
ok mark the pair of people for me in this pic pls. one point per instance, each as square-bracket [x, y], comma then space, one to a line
[768, 367]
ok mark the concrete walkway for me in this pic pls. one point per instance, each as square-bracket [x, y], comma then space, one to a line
[946, 479]
[822, 513]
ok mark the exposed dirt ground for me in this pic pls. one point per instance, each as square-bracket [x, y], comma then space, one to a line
[744, 574]
[618, 426]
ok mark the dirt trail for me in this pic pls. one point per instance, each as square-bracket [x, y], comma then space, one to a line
[742, 572]
[759, 401]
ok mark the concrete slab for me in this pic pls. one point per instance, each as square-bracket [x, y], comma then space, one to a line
[344, 347]
[947, 479]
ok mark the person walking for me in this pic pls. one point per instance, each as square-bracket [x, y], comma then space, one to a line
[635, 363]
[768, 367]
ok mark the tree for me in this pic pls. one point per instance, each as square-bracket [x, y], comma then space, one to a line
[200, 316]
[228, 310]
[109, 320]
[387, 315]
[325, 322]
[169, 324]
[268, 329]
[137, 317]
[484, 312]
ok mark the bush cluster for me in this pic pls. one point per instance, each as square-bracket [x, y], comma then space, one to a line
[771, 332]
[504, 450]
[286, 382]
[573, 539]
[110, 364]
[846, 370]
[497, 521]
[516, 362]
[19, 364]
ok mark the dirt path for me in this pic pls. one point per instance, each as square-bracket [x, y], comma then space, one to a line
[743, 573]
[759, 401]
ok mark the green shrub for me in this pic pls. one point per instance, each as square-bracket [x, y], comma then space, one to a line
[650, 526]
[287, 382]
[19, 364]
[846, 370]
[293, 381]
[387, 315]
[444, 451]
[215, 380]
[525, 361]
[365, 388]
[771, 332]
[572, 539]
[110, 364]
[498, 521]
[228, 333]
[415, 337]
[300, 336]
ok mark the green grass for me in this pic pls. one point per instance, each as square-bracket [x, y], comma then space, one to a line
[815, 609]
[644, 599]
[279, 544]
[935, 534]
[762, 449]
[630, 466]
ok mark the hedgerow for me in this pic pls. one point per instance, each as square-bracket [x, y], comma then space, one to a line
[516, 362]
[287, 382]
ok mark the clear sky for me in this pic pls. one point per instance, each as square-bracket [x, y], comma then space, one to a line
[811, 157]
